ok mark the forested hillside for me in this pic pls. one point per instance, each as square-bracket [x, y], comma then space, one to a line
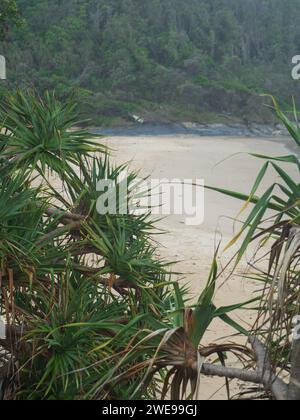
[8, 16]
[198, 60]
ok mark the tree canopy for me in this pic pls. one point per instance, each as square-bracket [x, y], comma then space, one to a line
[166, 56]
[8, 15]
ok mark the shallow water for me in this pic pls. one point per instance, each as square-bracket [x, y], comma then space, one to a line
[213, 130]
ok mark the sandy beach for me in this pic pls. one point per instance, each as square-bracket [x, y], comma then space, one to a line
[222, 162]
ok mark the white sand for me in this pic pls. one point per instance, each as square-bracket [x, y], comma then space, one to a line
[191, 157]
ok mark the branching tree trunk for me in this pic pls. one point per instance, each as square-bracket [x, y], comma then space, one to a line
[294, 387]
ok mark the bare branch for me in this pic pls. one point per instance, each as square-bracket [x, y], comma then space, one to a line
[115, 283]
[264, 374]
[59, 231]
[294, 386]
[230, 373]
[63, 215]
[269, 379]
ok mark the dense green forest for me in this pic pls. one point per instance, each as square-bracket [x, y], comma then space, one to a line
[8, 16]
[199, 60]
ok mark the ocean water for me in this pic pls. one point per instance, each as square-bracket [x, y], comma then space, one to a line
[177, 129]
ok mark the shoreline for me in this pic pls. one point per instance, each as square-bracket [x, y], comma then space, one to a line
[192, 129]
[212, 159]
[222, 162]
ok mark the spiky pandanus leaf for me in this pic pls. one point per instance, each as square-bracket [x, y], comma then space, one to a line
[89, 307]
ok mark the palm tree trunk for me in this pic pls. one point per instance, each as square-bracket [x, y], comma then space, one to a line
[294, 387]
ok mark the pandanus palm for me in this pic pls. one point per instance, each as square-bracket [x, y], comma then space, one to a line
[90, 310]
[274, 220]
